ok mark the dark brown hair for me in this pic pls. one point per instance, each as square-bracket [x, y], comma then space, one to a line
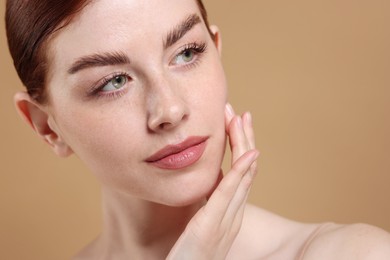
[29, 26]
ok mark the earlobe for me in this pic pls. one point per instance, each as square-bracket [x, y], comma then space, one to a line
[217, 38]
[38, 119]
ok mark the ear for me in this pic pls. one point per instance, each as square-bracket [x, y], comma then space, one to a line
[217, 38]
[38, 118]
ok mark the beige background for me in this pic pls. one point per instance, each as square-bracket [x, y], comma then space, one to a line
[316, 76]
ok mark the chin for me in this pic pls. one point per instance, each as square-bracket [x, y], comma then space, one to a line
[192, 193]
[196, 186]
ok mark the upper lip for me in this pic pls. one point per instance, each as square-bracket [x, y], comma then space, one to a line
[176, 148]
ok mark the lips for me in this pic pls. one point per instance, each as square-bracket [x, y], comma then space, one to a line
[180, 155]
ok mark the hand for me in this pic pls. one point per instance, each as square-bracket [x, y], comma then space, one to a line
[211, 232]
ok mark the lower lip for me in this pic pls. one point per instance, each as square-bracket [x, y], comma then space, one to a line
[182, 159]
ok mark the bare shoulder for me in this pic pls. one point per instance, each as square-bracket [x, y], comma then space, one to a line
[265, 235]
[356, 241]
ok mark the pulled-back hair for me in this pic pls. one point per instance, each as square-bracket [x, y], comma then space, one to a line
[29, 26]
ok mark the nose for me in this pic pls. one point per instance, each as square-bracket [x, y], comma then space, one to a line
[166, 108]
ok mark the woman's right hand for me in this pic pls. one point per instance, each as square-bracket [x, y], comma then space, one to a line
[211, 232]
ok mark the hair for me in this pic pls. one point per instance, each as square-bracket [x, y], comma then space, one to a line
[29, 26]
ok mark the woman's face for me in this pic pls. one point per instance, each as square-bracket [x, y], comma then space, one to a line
[129, 78]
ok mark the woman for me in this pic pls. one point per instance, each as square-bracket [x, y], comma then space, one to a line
[136, 89]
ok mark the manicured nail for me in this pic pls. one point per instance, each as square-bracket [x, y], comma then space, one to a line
[229, 109]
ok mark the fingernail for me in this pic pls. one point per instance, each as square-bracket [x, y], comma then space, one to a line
[248, 116]
[255, 154]
[229, 109]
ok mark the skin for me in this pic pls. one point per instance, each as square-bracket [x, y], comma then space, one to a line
[151, 213]
[153, 107]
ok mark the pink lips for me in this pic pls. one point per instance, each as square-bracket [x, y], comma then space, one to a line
[180, 155]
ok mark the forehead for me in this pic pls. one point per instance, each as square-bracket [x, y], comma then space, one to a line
[106, 25]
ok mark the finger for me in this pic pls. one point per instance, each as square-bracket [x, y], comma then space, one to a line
[219, 201]
[235, 130]
[238, 217]
[237, 139]
[229, 114]
[248, 129]
[249, 133]
[234, 212]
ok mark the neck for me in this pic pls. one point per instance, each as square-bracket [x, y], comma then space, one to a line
[142, 228]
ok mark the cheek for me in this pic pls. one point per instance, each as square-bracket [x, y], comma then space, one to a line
[212, 107]
[214, 95]
[102, 140]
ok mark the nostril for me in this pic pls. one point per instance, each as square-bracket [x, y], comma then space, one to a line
[172, 121]
[168, 118]
[164, 125]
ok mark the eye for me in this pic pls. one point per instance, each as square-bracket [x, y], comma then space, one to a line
[115, 83]
[190, 54]
[185, 57]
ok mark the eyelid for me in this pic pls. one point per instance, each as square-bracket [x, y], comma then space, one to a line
[100, 84]
[197, 47]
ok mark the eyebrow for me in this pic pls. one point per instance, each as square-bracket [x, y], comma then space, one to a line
[179, 31]
[99, 60]
[118, 58]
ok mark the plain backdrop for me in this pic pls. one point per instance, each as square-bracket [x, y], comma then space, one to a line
[316, 76]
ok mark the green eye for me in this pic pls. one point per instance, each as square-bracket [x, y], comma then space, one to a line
[185, 57]
[188, 55]
[116, 82]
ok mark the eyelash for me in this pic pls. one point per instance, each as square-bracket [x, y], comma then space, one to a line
[96, 90]
[197, 48]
